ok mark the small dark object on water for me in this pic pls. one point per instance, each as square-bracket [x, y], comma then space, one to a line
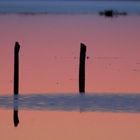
[112, 13]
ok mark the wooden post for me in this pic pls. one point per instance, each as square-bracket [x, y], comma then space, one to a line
[82, 69]
[16, 68]
[16, 83]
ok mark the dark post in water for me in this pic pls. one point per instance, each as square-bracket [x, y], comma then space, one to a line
[16, 119]
[16, 83]
[16, 68]
[82, 69]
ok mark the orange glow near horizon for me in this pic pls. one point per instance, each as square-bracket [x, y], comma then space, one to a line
[49, 55]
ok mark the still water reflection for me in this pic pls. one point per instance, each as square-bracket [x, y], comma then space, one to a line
[125, 103]
[72, 102]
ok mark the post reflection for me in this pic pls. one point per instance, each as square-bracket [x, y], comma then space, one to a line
[15, 111]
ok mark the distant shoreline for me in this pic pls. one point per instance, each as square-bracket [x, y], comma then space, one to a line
[68, 7]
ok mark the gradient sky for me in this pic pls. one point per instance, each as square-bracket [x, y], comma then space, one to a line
[49, 55]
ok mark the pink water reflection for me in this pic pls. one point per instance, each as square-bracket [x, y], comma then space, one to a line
[70, 125]
[50, 50]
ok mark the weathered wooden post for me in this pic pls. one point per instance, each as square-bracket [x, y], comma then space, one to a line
[16, 83]
[16, 68]
[82, 69]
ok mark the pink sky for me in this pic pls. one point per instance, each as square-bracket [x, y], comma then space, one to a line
[49, 56]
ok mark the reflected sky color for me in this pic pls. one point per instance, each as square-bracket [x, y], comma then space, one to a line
[65, 125]
[49, 63]
[124, 103]
[50, 46]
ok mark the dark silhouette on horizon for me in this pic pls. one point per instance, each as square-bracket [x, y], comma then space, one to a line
[82, 69]
[16, 81]
[112, 13]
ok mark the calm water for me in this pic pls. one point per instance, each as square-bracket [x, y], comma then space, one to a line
[70, 116]
[70, 102]
[49, 63]
[50, 46]
[67, 7]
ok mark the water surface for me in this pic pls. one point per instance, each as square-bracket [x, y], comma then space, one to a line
[68, 7]
[71, 102]
[50, 47]
[49, 62]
